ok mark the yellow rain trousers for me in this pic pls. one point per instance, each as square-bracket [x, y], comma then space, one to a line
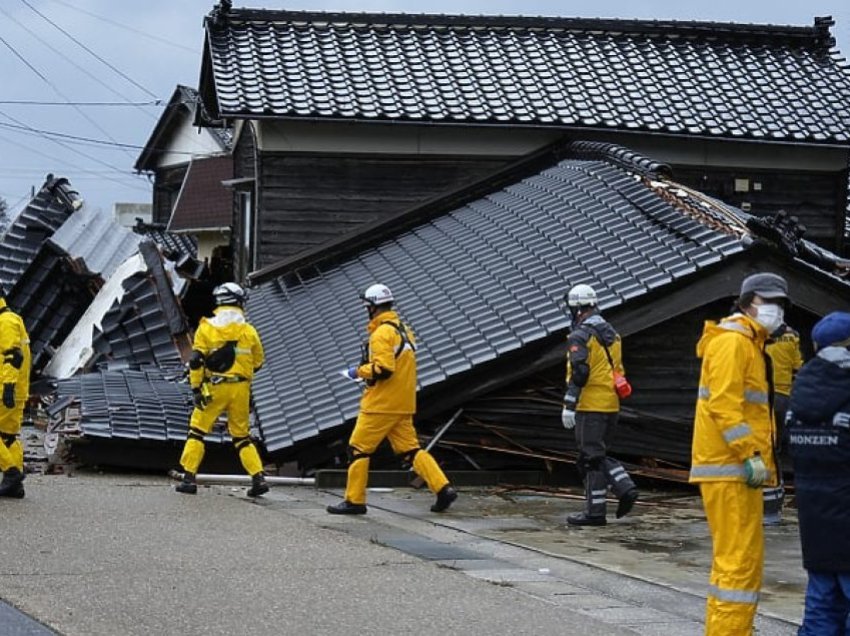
[369, 431]
[387, 407]
[734, 514]
[13, 336]
[233, 398]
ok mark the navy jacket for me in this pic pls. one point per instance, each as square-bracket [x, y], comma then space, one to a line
[819, 439]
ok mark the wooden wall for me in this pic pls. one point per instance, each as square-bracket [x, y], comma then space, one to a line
[655, 422]
[167, 184]
[244, 167]
[819, 199]
[308, 200]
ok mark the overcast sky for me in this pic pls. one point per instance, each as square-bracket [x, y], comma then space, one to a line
[153, 45]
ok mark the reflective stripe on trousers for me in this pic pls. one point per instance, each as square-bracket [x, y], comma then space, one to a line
[734, 514]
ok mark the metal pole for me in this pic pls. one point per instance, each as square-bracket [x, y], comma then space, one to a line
[209, 478]
[444, 428]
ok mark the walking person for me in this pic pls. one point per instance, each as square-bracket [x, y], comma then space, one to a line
[15, 382]
[225, 355]
[783, 347]
[819, 441]
[732, 452]
[592, 407]
[388, 370]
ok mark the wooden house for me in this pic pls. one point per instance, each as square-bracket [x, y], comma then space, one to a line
[344, 119]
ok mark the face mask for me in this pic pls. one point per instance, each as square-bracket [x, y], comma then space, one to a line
[770, 316]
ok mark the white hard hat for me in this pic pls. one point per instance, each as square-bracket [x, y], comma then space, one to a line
[230, 294]
[377, 294]
[581, 296]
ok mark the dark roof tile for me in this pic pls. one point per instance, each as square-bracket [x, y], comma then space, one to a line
[659, 76]
[475, 282]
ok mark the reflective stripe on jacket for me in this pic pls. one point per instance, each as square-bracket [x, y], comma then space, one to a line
[784, 351]
[390, 370]
[228, 325]
[590, 381]
[734, 418]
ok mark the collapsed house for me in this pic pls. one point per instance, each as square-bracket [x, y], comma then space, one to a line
[480, 276]
[97, 299]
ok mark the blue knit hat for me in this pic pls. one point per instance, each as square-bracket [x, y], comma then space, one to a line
[832, 329]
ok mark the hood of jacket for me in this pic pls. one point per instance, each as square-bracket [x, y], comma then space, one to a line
[822, 386]
[598, 326]
[739, 323]
[229, 320]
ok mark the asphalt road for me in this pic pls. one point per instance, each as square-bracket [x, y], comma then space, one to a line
[105, 554]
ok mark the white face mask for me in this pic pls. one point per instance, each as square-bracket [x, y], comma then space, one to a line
[769, 316]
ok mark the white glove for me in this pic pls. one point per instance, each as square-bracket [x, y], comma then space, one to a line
[568, 419]
[755, 471]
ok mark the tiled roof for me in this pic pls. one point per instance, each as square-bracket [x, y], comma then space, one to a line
[183, 103]
[48, 210]
[203, 203]
[480, 279]
[175, 246]
[694, 78]
[146, 403]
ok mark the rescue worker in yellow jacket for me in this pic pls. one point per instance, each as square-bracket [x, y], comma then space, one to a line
[388, 370]
[592, 407]
[226, 353]
[783, 347]
[15, 383]
[732, 452]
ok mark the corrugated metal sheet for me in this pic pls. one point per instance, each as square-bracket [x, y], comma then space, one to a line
[690, 78]
[94, 237]
[477, 282]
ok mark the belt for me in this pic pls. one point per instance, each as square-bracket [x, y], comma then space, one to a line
[228, 379]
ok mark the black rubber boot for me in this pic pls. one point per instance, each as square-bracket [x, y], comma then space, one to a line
[258, 485]
[584, 519]
[345, 507]
[12, 483]
[188, 486]
[445, 498]
[627, 502]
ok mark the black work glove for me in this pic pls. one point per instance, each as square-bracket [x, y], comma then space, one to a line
[9, 395]
[199, 399]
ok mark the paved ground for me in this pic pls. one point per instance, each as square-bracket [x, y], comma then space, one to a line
[106, 554]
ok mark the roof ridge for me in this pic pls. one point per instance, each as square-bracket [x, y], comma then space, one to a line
[619, 155]
[817, 36]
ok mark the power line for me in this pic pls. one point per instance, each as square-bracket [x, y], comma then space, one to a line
[88, 50]
[48, 82]
[128, 28]
[64, 145]
[23, 128]
[32, 102]
[70, 61]
[90, 140]
[23, 59]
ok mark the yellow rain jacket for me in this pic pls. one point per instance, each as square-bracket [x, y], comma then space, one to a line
[589, 373]
[734, 418]
[784, 351]
[227, 325]
[15, 349]
[390, 367]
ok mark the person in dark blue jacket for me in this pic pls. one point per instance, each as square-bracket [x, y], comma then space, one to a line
[819, 441]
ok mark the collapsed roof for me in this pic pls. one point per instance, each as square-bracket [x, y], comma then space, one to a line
[481, 274]
[54, 262]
